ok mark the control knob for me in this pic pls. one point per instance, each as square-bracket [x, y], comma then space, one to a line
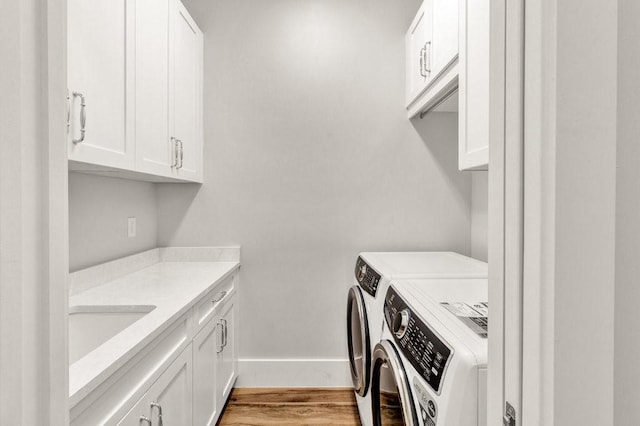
[362, 272]
[400, 323]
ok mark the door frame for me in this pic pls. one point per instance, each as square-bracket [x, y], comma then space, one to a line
[506, 207]
[34, 261]
[570, 199]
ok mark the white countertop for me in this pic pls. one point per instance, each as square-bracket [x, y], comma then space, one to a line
[173, 287]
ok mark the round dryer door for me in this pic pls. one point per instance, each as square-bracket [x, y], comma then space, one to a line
[358, 341]
[391, 400]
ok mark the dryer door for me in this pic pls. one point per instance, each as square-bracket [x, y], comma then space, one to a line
[391, 399]
[358, 341]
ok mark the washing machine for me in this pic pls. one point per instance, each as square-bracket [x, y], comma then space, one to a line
[373, 273]
[430, 366]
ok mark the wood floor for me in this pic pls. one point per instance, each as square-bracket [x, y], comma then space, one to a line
[291, 406]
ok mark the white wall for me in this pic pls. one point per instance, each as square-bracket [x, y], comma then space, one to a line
[627, 299]
[98, 211]
[585, 212]
[309, 159]
[479, 215]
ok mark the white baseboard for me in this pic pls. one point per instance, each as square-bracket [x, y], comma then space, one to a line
[293, 373]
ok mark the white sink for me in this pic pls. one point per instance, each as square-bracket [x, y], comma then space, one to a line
[91, 326]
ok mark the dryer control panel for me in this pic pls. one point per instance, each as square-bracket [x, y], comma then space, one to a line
[426, 351]
[367, 277]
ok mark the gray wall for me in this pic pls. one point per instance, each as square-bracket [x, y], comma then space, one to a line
[98, 212]
[309, 159]
[480, 215]
[627, 326]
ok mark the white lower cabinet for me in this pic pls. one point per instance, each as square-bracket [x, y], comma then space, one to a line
[214, 365]
[205, 347]
[168, 401]
[227, 358]
[183, 376]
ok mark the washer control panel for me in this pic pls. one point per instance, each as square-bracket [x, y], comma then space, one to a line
[367, 277]
[427, 352]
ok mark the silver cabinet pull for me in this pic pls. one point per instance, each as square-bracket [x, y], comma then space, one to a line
[159, 407]
[422, 73]
[68, 112]
[145, 419]
[181, 154]
[174, 148]
[427, 64]
[221, 348]
[219, 297]
[224, 332]
[83, 116]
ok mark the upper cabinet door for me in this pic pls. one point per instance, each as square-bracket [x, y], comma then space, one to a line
[99, 82]
[445, 35]
[419, 48]
[154, 148]
[474, 92]
[186, 50]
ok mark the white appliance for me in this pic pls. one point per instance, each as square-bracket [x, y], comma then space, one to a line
[373, 273]
[430, 366]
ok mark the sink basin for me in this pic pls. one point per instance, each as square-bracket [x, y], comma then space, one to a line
[91, 326]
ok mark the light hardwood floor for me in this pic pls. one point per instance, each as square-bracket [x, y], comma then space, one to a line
[291, 406]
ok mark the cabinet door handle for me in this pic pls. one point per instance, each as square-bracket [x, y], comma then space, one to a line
[427, 63]
[145, 419]
[221, 337]
[68, 112]
[83, 116]
[422, 73]
[174, 151]
[181, 154]
[219, 297]
[224, 332]
[159, 407]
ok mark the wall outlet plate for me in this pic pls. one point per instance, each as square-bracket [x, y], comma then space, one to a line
[131, 227]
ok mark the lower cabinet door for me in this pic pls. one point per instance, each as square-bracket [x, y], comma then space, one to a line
[168, 398]
[138, 415]
[206, 345]
[227, 356]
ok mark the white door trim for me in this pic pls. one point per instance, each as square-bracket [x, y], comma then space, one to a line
[539, 223]
[33, 215]
[506, 174]
[570, 165]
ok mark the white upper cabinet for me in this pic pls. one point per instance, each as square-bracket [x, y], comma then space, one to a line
[138, 65]
[445, 35]
[154, 150]
[418, 43]
[453, 56]
[99, 82]
[474, 93]
[431, 55]
[186, 93]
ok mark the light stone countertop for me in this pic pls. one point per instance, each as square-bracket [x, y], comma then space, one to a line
[172, 286]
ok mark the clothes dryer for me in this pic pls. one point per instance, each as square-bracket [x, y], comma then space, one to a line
[373, 274]
[433, 351]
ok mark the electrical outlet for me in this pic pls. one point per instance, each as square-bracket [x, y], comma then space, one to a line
[131, 227]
